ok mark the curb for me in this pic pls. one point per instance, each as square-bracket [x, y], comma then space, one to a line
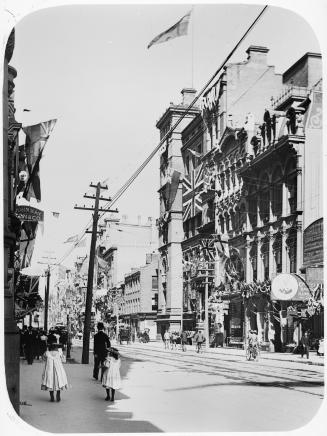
[262, 356]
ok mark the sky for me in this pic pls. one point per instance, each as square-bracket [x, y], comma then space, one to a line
[89, 67]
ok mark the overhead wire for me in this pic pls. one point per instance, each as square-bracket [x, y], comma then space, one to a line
[126, 185]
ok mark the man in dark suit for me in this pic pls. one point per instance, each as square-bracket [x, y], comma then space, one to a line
[29, 340]
[101, 344]
[305, 341]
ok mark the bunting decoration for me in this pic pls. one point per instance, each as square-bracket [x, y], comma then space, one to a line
[36, 138]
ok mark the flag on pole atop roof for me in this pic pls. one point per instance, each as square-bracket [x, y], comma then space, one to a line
[178, 29]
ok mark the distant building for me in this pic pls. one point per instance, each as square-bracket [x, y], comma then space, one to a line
[140, 303]
[124, 244]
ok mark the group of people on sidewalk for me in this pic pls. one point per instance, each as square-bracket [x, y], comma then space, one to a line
[34, 342]
[172, 338]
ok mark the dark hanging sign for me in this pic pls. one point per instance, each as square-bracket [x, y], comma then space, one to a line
[313, 244]
[29, 213]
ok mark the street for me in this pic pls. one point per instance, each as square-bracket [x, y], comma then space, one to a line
[172, 391]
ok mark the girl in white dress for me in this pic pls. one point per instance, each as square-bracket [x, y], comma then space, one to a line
[54, 376]
[111, 377]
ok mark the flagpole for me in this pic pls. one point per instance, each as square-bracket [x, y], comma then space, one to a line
[192, 48]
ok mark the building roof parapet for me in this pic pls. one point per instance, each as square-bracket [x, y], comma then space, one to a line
[289, 94]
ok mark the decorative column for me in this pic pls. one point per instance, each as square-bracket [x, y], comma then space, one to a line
[299, 209]
[248, 266]
[213, 130]
[285, 205]
[259, 256]
[284, 248]
[271, 251]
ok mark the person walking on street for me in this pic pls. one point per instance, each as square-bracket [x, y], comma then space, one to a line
[111, 379]
[183, 340]
[43, 342]
[100, 346]
[54, 378]
[166, 339]
[305, 345]
[29, 340]
[199, 339]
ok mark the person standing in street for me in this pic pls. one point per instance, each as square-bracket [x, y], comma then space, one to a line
[111, 379]
[100, 346]
[305, 345]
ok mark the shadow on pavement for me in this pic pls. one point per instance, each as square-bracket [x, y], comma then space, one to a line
[82, 408]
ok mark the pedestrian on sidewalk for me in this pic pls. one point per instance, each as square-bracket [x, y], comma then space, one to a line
[305, 345]
[199, 339]
[111, 379]
[100, 347]
[54, 378]
[166, 339]
[183, 340]
[43, 342]
[29, 340]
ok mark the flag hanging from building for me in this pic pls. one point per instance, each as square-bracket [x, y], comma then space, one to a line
[178, 29]
[36, 138]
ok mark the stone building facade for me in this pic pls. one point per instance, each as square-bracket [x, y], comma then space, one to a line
[10, 226]
[251, 197]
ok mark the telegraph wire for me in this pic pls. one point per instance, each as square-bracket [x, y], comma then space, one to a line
[121, 191]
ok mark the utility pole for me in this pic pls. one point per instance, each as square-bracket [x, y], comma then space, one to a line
[89, 291]
[206, 297]
[46, 300]
[46, 293]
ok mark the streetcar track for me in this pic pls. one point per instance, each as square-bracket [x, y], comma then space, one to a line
[171, 361]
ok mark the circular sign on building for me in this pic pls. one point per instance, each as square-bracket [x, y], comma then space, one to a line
[284, 287]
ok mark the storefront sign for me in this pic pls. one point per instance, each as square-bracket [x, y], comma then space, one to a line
[313, 244]
[289, 287]
[29, 213]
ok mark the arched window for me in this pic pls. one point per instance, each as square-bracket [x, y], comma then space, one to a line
[253, 258]
[291, 248]
[222, 224]
[291, 185]
[265, 258]
[277, 193]
[253, 214]
[264, 199]
[277, 250]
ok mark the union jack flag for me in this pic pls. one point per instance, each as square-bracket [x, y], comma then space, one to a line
[192, 188]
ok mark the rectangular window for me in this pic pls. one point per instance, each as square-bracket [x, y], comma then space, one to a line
[154, 283]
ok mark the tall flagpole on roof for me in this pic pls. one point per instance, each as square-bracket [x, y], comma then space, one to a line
[192, 47]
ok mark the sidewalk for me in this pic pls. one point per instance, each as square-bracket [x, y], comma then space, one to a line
[82, 408]
[283, 357]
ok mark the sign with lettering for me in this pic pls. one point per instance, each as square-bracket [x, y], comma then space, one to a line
[29, 213]
[289, 287]
[313, 244]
